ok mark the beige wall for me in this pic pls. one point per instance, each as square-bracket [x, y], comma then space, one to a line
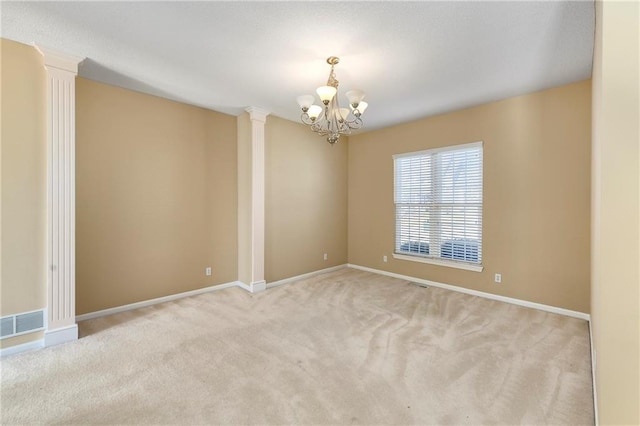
[306, 200]
[615, 294]
[156, 197]
[23, 182]
[536, 195]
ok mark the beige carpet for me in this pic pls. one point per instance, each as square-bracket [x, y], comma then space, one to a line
[347, 347]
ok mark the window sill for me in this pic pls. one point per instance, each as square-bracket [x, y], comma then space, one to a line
[439, 262]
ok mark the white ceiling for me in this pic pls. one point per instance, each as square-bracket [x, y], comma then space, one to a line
[413, 59]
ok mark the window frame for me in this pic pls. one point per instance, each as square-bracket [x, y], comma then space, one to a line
[417, 257]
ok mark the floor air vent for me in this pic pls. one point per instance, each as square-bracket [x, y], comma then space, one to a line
[28, 322]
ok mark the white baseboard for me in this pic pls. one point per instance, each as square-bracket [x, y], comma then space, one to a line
[61, 335]
[304, 276]
[24, 347]
[593, 374]
[254, 287]
[243, 286]
[519, 302]
[152, 302]
[258, 286]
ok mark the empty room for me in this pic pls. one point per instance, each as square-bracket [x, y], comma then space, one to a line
[320, 213]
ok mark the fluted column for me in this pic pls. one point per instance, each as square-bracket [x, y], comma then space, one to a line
[61, 285]
[258, 119]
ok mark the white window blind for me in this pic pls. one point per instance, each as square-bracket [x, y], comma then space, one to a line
[438, 198]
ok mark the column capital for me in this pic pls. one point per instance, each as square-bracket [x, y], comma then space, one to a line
[62, 61]
[257, 114]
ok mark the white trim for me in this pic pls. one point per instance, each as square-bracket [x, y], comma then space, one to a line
[243, 286]
[61, 70]
[155, 301]
[258, 118]
[439, 262]
[254, 287]
[593, 374]
[24, 347]
[258, 114]
[519, 302]
[61, 335]
[305, 276]
[62, 61]
[258, 286]
[441, 149]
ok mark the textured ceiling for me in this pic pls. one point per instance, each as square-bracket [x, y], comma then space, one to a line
[413, 59]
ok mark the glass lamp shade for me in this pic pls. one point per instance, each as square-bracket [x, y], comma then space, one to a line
[305, 101]
[361, 107]
[314, 111]
[355, 96]
[326, 93]
[344, 113]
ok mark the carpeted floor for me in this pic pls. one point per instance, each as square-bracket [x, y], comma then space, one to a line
[348, 347]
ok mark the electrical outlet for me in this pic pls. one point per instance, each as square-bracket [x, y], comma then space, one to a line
[325, 257]
[207, 271]
[384, 259]
[498, 278]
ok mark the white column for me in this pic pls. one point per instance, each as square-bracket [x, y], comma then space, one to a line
[258, 118]
[61, 284]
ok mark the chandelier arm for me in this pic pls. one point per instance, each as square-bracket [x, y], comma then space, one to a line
[337, 126]
[320, 127]
[355, 123]
[304, 117]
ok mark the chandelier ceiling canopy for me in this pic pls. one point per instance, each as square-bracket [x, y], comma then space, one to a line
[328, 119]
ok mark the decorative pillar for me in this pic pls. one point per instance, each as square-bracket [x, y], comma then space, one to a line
[61, 268]
[258, 118]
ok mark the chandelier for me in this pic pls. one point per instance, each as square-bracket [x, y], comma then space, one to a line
[329, 119]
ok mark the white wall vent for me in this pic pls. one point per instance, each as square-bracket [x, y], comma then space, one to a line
[27, 322]
[6, 325]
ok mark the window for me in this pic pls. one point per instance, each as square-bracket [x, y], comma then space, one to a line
[438, 198]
